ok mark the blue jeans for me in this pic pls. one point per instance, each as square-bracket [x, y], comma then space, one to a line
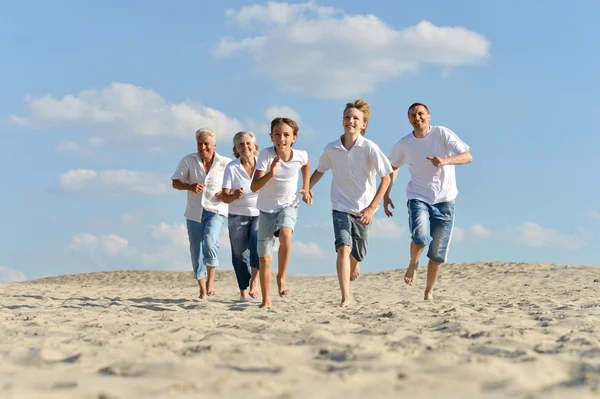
[204, 239]
[431, 225]
[243, 231]
[349, 232]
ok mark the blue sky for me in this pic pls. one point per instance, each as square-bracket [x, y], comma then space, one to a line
[101, 100]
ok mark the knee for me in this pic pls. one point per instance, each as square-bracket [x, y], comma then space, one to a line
[285, 236]
[344, 251]
[420, 239]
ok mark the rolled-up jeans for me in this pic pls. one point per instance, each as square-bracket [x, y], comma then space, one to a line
[432, 225]
[243, 231]
[204, 240]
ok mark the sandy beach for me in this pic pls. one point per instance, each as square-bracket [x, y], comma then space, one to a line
[494, 330]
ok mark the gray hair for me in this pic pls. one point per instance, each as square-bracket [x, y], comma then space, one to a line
[238, 137]
[206, 132]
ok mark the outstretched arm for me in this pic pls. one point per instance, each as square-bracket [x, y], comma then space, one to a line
[459, 159]
[314, 179]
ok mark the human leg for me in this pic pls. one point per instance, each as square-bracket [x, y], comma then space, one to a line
[239, 227]
[195, 233]
[418, 221]
[212, 223]
[442, 225]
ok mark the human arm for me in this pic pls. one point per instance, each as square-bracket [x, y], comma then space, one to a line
[387, 201]
[460, 159]
[181, 185]
[366, 215]
[307, 195]
[260, 176]
[314, 179]
[228, 196]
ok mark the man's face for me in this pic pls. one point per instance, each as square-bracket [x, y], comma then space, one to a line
[206, 147]
[419, 117]
[283, 137]
[354, 121]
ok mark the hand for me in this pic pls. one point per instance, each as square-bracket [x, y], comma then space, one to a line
[307, 196]
[366, 215]
[437, 161]
[274, 165]
[387, 201]
[219, 195]
[197, 187]
[237, 193]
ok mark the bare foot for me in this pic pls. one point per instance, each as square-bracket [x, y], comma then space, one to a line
[244, 295]
[428, 295]
[411, 275]
[253, 288]
[354, 272]
[211, 290]
[345, 303]
[265, 305]
[202, 295]
[282, 287]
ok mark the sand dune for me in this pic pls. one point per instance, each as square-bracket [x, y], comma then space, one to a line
[495, 330]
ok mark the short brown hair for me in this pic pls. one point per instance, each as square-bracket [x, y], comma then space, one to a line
[287, 121]
[363, 107]
[416, 105]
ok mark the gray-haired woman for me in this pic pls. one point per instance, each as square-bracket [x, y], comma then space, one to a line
[243, 214]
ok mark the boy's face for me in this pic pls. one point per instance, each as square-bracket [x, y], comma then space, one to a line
[419, 117]
[283, 137]
[354, 121]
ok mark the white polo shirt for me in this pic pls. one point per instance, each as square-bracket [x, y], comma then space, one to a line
[282, 190]
[191, 170]
[429, 183]
[355, 171]
[235, 177]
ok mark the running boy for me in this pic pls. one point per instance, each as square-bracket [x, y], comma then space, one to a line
[354, 161]
[276, 180]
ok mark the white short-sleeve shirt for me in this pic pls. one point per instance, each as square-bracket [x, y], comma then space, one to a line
[429, 183]
[282, 190]
[235, 177]
[191, 170]
[355, 171]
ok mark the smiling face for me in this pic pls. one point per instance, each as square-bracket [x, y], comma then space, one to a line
[419, 117]
[282, 136]
[354, 121]
[206, 147]
[246, 147]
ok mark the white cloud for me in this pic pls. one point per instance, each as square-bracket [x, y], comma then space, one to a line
[385, 228]
[323, 52]
[458, 234]
[111, 182]
[69, 147]
[593, 214]
[308, 250]
[123, 111]
[480, 232]
[175, 234]
[288, 112]
[84, 240]
[10, 275]
[114, 245]
[533, 235]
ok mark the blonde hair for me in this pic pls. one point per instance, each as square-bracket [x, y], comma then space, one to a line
[363, 107]
[238, 137]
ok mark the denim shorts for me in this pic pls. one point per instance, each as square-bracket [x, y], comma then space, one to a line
[349, 232]
[269, 225]
[431, 225]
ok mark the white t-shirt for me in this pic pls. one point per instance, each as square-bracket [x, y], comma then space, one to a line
[355, 171]
[235, 177]
[191, 170]
[282, 190]
[429, 183]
